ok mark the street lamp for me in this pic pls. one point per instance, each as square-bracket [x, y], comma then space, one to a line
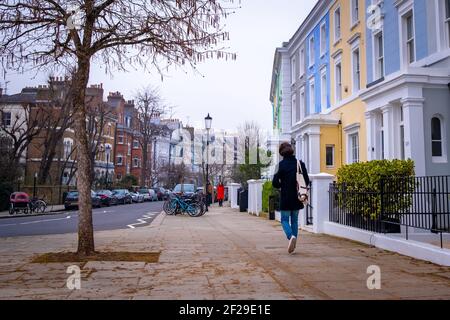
[34, 184]
[108, 158]
[208, 125]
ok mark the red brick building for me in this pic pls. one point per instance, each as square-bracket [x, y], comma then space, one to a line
[128, 150]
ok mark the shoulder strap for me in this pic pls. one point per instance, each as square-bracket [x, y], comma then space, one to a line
[299, 165]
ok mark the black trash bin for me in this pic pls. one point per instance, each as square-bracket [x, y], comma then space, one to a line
[243, 201]
[274, 204]
[239, 195]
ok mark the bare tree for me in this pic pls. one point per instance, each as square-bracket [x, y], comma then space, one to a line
[149, 108]
[59, 110]
[118, 33]
[25, 124]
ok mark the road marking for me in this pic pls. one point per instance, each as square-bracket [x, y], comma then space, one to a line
[8, 225]
[142, 221]
[48, 220]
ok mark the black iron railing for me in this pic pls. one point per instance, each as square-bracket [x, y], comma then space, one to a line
[417, 202]
[411, 202]
[308, 210]
[349, 208]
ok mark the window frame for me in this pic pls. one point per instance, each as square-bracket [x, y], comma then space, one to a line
[323, 39]
[443, 141]
[379, 70]
[3, 123]
[312, 51]
[337, 24]
[409, 42]
[303, 111]
[119, 163]
[447, 21]
[312, 96]
[294, 108]
[338, 83]
[302, 61]
[333, 156]
[354, 13]
[323, 89]
[356, 74]
[293, 69]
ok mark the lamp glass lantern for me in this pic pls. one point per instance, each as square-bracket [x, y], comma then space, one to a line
[208, 122]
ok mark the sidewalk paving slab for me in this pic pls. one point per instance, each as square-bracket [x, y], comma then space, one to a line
[222, 255]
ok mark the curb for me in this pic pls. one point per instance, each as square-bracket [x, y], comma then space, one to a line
[51, 213]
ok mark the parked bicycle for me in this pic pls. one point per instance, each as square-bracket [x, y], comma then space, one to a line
[183, 204]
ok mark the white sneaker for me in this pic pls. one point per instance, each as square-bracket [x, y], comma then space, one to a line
[292, 244]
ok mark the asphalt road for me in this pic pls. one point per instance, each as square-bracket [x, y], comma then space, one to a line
[107, 218]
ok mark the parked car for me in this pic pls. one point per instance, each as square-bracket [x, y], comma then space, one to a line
[123, 196]
[145, 193]
[137, 197]
[107, 197]
[187, 189]
[71, 201]
[153, 195]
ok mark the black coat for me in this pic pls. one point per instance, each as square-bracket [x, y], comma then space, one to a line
[286, 179]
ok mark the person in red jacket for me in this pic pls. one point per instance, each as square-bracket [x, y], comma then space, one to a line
[220, 193]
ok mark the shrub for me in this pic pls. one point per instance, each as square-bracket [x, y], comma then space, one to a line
[360, 186]
[268, 191]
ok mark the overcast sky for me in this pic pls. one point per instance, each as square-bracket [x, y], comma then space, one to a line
[233, 91]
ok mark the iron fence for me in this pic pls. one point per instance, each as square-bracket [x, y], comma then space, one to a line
[349, 208]
[308, 210]
[411, 202]
[417, 202]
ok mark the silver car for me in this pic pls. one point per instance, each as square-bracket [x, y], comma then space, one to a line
[137, 197]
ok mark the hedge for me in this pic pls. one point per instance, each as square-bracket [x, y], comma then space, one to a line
[268, 190]
[365, 178]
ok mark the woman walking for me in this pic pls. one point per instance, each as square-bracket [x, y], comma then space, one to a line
[286, 179]
[220, 193]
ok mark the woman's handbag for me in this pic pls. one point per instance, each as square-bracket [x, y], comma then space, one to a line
[302, 188]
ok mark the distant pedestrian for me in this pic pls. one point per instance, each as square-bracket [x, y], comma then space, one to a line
[286, 179]
[220, 194]
[209, 193]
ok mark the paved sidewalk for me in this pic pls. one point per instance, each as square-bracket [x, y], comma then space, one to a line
[51, 209]
[223, 255]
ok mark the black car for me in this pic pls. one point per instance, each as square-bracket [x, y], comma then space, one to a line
[71, 201]
[107, 197]
[123, 196]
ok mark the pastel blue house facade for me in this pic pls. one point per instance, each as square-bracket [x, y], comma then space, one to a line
[318, 43]
[408, 71]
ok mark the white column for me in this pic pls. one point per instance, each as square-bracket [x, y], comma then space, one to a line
[314, 151]
[258, 196]
[320, 200]
[415, 133]
[389, 132]
[233, 194]
[251, 192]
[371, 136]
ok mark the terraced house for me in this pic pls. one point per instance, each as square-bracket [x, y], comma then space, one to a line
[366, 79]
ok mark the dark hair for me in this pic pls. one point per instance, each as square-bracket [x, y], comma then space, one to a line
[286, 149]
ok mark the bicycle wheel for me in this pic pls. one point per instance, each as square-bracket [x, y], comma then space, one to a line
[40, 206]
[170, 207]
[194, 210]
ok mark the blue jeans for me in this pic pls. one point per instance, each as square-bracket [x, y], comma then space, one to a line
[289, 221]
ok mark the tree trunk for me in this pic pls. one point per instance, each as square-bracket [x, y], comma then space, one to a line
[84, 171]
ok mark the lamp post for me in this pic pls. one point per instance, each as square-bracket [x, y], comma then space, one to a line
[208, 124]
[108, 157]
[34, 184]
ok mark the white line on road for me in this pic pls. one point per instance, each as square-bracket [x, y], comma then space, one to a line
[142, 220]
[48, 220]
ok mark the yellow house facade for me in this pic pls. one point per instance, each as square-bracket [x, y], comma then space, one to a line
[346, 142]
